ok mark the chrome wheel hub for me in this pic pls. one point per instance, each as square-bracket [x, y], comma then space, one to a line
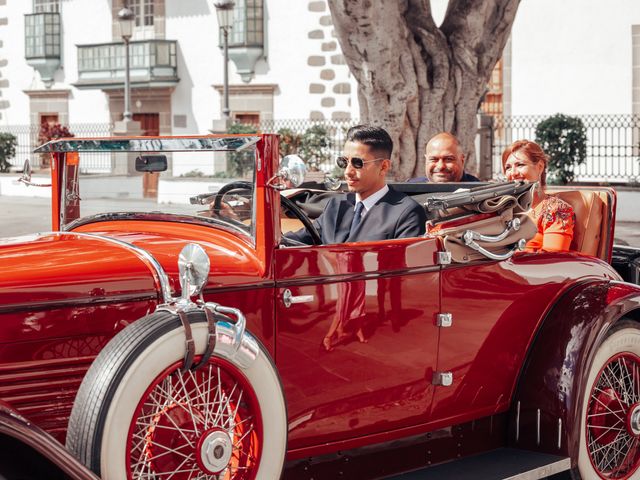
[215, 450]
[634, 420]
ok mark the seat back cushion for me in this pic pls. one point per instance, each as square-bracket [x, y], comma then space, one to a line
[589, 208]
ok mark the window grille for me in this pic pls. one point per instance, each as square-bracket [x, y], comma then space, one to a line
[143, 11]
[46, 6]
[248, 24]
[42, 35]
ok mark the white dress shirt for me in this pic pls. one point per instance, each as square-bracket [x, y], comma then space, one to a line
[371, 200]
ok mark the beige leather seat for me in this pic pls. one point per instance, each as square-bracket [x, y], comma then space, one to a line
[593, 229]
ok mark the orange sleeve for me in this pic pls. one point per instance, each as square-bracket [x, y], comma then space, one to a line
[557, 231]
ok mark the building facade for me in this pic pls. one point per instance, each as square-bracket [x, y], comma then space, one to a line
[64, 62]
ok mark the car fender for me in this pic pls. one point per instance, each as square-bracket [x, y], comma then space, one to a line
[545, 411]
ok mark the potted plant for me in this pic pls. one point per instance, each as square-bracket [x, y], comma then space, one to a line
[8, 144]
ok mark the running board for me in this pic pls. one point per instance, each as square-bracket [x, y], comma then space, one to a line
[503, 463]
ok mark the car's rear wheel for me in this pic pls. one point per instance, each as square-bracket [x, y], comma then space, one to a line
[138, 415]
[610, 428]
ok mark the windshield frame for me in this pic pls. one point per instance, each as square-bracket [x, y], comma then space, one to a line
[69, 178]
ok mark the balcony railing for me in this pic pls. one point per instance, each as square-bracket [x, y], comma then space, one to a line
[153, 63]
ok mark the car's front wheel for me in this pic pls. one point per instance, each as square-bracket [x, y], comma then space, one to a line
[610, 424]
[138, 415]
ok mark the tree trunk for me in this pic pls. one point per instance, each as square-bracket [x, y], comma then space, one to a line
[416, 79]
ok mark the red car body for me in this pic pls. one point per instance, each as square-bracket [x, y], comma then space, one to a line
[523, 335]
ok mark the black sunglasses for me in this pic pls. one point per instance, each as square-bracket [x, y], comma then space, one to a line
[356, 162]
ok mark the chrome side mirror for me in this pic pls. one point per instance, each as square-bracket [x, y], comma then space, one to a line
[26, 176]
[193, 268]
[290, 174]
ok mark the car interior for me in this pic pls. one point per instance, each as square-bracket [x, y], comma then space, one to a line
[487, 209]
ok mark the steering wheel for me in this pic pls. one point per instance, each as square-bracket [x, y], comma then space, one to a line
[240, 184]
[300, 215]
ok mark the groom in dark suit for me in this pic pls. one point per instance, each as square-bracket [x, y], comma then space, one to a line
[373, 211]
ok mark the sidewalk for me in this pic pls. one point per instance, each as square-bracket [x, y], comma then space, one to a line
[628, 233]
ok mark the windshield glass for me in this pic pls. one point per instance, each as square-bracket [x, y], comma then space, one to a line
[197, 180]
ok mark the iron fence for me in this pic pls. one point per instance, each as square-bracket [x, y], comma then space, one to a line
[27, 138]
[613, 152]
[319, 141]
[613, 149]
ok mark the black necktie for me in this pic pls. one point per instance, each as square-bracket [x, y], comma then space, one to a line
[357, 216]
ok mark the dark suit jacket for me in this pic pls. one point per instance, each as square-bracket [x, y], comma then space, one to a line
[395, 215]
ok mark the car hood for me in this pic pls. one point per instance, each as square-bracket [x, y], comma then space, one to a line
[57, 268]
[233, 259]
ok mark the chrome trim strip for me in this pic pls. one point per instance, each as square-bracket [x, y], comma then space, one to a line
[538, 427]
[559, 433]
[160, 275]
[81, 302]
[518, 421]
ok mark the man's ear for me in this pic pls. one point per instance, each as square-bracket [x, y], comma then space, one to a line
[386, 165]
[462, 159]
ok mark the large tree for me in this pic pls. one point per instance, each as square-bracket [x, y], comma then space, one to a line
[415, 78]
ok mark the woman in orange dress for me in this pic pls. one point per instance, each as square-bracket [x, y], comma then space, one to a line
[525, 160]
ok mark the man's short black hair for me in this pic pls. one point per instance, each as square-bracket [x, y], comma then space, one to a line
[376, 138]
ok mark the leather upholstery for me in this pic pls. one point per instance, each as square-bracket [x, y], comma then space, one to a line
[590, 230]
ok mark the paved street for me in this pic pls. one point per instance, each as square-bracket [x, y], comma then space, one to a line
[20, 215]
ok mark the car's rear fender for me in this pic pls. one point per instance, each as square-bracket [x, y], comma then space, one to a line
[545, 411]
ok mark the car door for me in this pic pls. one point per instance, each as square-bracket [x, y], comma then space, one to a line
[495, 308]
[355, 337]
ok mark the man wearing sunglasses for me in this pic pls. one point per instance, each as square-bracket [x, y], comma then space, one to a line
[373, 210]
[444, 161]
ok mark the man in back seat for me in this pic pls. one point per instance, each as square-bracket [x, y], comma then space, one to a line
[373, 211]
[444, 161]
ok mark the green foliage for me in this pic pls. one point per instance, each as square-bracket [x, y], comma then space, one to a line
[8, 144]
[314, 146]
[564, 140]
[240, 163]
[289, 141]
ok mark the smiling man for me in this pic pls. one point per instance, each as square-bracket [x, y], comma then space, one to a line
[373, 210]
[444, 161]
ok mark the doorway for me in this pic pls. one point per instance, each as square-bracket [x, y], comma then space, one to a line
[150, 126]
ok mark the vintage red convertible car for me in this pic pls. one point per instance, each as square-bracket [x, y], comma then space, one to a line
[185, 337]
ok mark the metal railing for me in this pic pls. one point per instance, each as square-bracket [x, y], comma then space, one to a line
[321, 140]
[613, 149]
[613, 152]
[27, 138]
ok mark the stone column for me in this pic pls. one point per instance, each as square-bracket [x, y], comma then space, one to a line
[124, 163]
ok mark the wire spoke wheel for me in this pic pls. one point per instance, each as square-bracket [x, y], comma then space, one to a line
[202, 424]
[610, 439]
[139, 416]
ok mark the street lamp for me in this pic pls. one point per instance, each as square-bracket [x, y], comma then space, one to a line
[125, 19]
[224, 10]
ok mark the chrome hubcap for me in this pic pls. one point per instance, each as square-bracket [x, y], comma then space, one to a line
[634, 420]
[215, 451]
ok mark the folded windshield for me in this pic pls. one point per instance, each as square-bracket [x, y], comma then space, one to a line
[206, 180]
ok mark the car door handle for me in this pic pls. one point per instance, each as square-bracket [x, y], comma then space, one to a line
[288, 299]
